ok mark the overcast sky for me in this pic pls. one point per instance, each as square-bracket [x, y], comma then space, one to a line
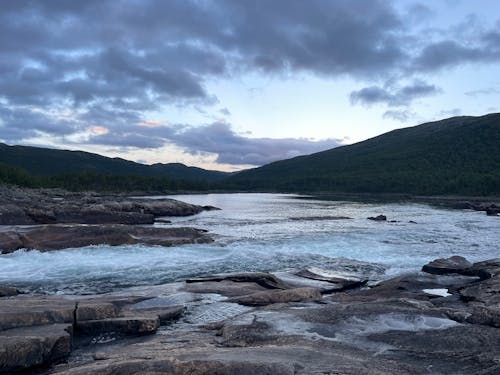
[238, 83]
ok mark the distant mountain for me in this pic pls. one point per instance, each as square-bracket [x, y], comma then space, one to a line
[459, 155]
[48, 162]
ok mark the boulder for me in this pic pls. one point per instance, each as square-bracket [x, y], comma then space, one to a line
[442, 266]
[278, 296]
[378, 218]
[8, 291]
[493, 210]
[22, 348]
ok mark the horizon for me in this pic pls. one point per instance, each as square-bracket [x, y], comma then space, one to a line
[250, 167]
[231, 85]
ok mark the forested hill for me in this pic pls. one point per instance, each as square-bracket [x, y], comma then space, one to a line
[459, 155]
[49, 162]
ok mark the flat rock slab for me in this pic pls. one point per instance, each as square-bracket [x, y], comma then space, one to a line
[22, 348]
[130, 325]
[265, 280]
[278, 296]
[56, 237]
[342, 279]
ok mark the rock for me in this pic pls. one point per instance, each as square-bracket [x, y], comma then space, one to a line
[211, 208]
[378, 218]
[176, 367]
[56, 237]
[10, 241]
[485, 316]
[26, 311]
[29, 206]
[166, 315]
[11, 214]
[493, 210]
[486, 292]
[23, 348]
[265, 280]
[454, 264]
[318, 218]
[343, 280]
[485, 269]
[129, 325]
[278, 296]
[8, 291]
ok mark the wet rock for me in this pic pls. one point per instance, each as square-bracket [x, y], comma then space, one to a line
[22, 348]
[8, 291]
[318, 218]
[265, 280]
[454, 264]
[493, 210]
[278, 296]
[56, 237]
[378, 218]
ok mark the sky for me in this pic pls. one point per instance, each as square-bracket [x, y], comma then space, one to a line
[233, 84]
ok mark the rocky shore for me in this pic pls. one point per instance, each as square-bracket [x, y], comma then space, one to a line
[311, 321]
[52, 206]
[49, 220]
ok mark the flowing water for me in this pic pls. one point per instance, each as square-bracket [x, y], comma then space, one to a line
[264, 232]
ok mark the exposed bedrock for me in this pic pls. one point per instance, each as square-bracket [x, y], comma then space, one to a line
[27, 207]
[262, 323]
[56, 237]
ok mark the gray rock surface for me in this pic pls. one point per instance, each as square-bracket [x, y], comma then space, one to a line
[395, 327]
[454, 264]
[27, 207]
[56, 237]
[23, 348]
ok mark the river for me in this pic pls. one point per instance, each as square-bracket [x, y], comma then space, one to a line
[265, 232]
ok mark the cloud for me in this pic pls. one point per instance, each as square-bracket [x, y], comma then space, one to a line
[393, 97]
[217, 138]
[232, 148]
[401, 116]
[68, 65]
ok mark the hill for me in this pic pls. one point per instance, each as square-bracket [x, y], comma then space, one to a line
[459, 155]
[49, 162]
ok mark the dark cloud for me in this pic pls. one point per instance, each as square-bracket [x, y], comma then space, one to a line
[232, 148]
[393, 97]
[217, 138]
[108, 63]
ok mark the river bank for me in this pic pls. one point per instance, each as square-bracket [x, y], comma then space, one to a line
[309, 321]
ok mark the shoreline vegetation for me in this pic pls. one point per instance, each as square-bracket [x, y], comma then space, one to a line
[458, 156]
